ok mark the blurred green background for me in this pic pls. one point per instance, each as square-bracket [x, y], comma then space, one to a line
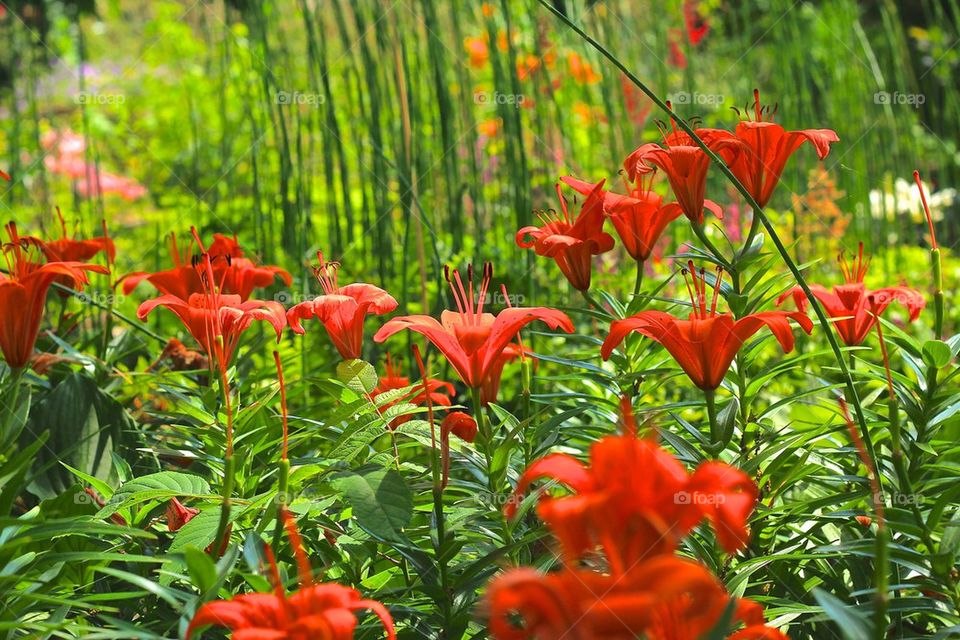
[398, 136]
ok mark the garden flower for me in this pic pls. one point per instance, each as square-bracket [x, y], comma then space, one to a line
[323, 610]
[854, 308]
[439, 392]
[23, 292]
[105, 183]
[696, 26]
[68, 249]
[471, 340]
[580, 70]
[66, 156]
[477, 50]
[178, 515]
[235, 273]
[685, 165]
[660, 598]
[632, 516]
[640, 218]
[706, 343]
[216, 320]
[342, 310]
[181, 358]
[491, 385]
[766, 147]
[571, 242]
[459, 424]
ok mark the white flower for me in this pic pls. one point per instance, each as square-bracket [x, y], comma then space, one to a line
[905, 200]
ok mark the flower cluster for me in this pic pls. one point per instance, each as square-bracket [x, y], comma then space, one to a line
[631, 524]
[316, 610]
[756, 152]
[32, 267]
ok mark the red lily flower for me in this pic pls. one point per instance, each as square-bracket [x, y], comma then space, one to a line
[661, 598]
[638, 520]
[854, 308]
[685, 165]
[4, 175]
[315, 611]
[704, 345]
[640, 218]
[181, 358]
[635, 516]
[342, 310]
[697, 27]
[472, 340]
[23, 292]
[214, 319]
[460, 424]
[571, 242]
[439, 392]
[766, 147]
[178, 515]
[68, 249]
[491, 385]
[236, 274]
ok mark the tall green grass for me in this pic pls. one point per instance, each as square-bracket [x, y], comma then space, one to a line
[382, 162]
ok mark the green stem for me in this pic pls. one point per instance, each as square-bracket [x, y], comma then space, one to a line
[441, 556]
[937, 292]
[526, 375]
[440, 544]
[716, 439]
[882, 561]
[757, 212]
[15, 382]
[592, 301]
[485, 439]
[638, 283]
[700, 231]
[283, 480]
[219, 540]
[486, 442]
[754, 227]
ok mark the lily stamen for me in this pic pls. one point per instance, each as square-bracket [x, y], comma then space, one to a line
[854, 270]
[716, 291]
[327, 275]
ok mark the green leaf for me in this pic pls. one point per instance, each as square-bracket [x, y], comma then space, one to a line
[85, 425]
[156, 486]
[936, 353]
[202, 570]
[381, 500]
[950, 541]
[853, 624]
[358, 375]
[171, 596]
[727, 419]
[20, 415]
[200, 531]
